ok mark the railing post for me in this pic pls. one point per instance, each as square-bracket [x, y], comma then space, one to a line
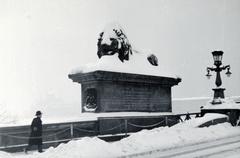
[71, 130]
[126, 130]
[166, 121]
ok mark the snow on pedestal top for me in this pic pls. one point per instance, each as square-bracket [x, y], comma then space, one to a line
[227, 103]
[136, 64]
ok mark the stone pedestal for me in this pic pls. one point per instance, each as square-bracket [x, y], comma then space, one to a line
[104, 91]
[218, 93]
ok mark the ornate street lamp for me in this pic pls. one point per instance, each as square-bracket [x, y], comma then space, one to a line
[218, 92]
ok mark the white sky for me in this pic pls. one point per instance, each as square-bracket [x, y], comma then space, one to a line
[42, 40]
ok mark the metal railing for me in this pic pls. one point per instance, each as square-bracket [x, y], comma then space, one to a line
[72, 130]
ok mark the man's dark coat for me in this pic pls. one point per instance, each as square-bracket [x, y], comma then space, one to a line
[36, 132]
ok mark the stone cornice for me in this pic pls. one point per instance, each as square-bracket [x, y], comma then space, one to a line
[122, 77]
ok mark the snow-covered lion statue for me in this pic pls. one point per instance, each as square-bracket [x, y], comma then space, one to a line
[113, 40]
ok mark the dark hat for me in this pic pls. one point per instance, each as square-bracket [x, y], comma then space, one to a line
[38, 113]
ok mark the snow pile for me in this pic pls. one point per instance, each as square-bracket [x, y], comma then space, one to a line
[136, 64]
[146, 140]
[86, 147]
[227, 103]
[164, 137]
[5, 155]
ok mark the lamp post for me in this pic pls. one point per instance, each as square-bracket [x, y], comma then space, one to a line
[218, 92]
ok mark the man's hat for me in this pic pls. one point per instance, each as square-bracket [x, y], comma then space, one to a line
[38, 113]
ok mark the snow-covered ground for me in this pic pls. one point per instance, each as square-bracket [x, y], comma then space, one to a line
[145, 140]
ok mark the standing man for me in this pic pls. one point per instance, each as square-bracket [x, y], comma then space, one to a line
[36, 133]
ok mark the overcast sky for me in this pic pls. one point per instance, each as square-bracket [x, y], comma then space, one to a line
[42, 40]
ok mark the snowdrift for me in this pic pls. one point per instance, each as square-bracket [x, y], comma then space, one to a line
[146, 140]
